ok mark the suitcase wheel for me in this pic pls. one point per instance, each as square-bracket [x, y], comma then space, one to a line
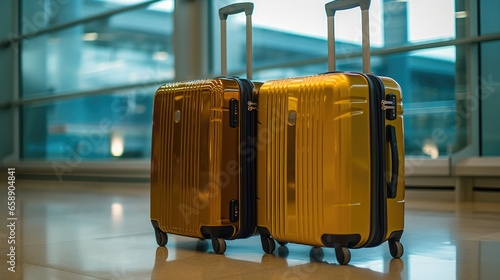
[396, 249]
[343, 255]
[219, 245]
[316, 254]
[161, 237]
[268, 244]
[282, 243]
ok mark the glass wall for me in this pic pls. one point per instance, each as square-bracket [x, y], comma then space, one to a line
[125, 48]
[89, 63]
[93, 127]
[116, 58]
[297, 35]
[489, 80]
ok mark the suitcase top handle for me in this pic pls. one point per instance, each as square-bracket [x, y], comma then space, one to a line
[338, 5]
[230, 10]
[236, 9]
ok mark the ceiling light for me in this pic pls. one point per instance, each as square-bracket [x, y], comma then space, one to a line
[160, 55]
[90, 36]
[117, 143]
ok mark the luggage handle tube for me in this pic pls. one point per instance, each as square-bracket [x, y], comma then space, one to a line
[336, 5]
[392, 186]
[236, 8]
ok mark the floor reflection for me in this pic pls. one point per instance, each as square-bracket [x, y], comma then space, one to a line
[204, 264]
[102, 231]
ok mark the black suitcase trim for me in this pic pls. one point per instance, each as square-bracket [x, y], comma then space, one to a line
[340, 240]
[247, 161]
[217, 231]
[378, 221]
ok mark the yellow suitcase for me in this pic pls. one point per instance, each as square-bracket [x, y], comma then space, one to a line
[330, 161]
[202, 165]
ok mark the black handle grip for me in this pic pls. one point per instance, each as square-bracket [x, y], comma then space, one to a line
[392, 186]
[338, 5]
[236, 8]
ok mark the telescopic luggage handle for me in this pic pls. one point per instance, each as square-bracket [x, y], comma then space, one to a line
[224, 12]
[338, 5]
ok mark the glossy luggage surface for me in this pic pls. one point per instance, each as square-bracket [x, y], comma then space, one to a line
[202, 177]
[330, 161]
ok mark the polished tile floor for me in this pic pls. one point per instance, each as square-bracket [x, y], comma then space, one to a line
[102, 231]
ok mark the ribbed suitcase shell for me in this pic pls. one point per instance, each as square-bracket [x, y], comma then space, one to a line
[197, 167]
[314, 160]
[203, 152]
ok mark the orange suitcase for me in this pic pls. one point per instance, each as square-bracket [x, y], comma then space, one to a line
[202, 175]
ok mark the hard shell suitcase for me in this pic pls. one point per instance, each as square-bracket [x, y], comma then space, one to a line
[330, 157]
[202, 166]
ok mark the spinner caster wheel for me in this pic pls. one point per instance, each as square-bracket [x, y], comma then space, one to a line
[282, 243]
[268, 244]
[396, 249]
[316, 254]
[161, 237]
[343, 255]
[219, 245]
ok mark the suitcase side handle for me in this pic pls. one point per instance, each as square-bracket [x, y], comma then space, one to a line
[246, 7]
[337, 5]
[392, 186]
